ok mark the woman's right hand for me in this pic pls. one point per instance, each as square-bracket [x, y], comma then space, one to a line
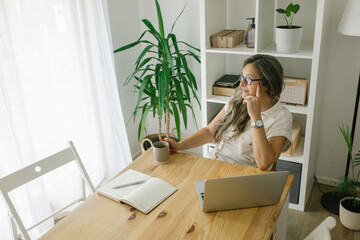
[174, 145]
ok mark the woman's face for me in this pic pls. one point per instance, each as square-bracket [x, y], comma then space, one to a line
[250, 90]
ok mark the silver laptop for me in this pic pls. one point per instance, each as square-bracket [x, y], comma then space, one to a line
[241, 192]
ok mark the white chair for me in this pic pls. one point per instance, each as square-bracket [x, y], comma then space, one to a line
[36, 170]
[322, 232]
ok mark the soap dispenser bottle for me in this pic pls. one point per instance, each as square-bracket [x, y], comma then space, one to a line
[250, 41]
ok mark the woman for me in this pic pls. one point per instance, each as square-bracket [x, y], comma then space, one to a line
[253, 128]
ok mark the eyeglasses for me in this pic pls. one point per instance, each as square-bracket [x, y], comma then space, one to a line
[249, 80]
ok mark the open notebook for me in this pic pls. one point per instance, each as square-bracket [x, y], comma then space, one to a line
[143, 196]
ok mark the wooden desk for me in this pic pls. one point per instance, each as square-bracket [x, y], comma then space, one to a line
[177, 217]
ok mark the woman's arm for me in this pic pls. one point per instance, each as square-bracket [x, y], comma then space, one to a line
[266, 151]
[201, 137]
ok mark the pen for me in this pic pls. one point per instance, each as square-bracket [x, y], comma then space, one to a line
[129, 184]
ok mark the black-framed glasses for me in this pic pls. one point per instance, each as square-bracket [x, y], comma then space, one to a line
[249, 80]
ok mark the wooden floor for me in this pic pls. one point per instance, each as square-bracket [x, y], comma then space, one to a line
[300, 224]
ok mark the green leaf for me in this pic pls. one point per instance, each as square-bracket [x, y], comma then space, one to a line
[142, 121]
[188, 73]
[346, 134]
[179, 95]
[186, 87]
[177, 18]
[152, 29]
[143, 53]
[177, 119]
[167, 107]
[168, 57]
[295, 8]
[193, 115]
[167, 79]
[161, 89]
[127, 46]
[196, 49]
[141, 90]
[160, 19]
[288, 10]
[196, 98]
[184, 114]
[173, 38]
[141, 64]
[357, 159]
[196, 57]
[280, 10]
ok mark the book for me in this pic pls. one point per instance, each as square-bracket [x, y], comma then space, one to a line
[228, 80]
[296, 132]
[137, 189]
[224, 91]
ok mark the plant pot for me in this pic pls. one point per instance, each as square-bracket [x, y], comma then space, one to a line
[288, 39]
[349, 218]
[150, 139]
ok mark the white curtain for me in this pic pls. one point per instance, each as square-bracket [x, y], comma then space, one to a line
[57, 83]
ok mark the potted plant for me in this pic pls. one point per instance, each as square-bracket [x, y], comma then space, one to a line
[162, 78]
[349, 207]
[288, 37]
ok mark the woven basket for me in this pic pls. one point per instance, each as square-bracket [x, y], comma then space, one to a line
[148, 141]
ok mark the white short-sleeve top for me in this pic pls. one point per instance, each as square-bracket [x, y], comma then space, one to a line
[277, 122]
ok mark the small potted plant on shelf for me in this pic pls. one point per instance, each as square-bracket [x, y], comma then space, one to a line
[288, 37]
[162, 79]
[349, 207]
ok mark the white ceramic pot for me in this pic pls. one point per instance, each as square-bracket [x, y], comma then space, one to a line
[350, 220]
[288, 39]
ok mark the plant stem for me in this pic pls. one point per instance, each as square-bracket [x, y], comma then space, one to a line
[167, 123]
[159, 127]
[292, 18]
[287, 23]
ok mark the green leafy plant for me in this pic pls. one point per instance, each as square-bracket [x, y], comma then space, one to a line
[162, 78]
[348, 185]
[289, 13]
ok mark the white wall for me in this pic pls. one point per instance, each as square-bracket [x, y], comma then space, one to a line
[340, 65]
[125, 28]
[342, 68]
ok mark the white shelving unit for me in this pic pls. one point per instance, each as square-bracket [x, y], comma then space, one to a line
[217, 15]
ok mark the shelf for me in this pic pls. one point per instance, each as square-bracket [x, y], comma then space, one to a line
[224, 99]
[240, 50]
[297, 109]
[306, 51]
[298, 156]
[217, 99]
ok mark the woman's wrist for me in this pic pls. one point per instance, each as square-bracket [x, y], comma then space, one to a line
[255, 117]
[185, 144]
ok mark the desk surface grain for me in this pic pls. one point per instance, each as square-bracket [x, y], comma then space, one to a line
[179, 216]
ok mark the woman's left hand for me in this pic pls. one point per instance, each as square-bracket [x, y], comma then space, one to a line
[253, 103]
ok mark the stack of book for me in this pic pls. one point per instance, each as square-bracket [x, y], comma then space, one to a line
[226, 85]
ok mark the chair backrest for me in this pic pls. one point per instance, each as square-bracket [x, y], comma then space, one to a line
[323, 230]
[34, 171]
